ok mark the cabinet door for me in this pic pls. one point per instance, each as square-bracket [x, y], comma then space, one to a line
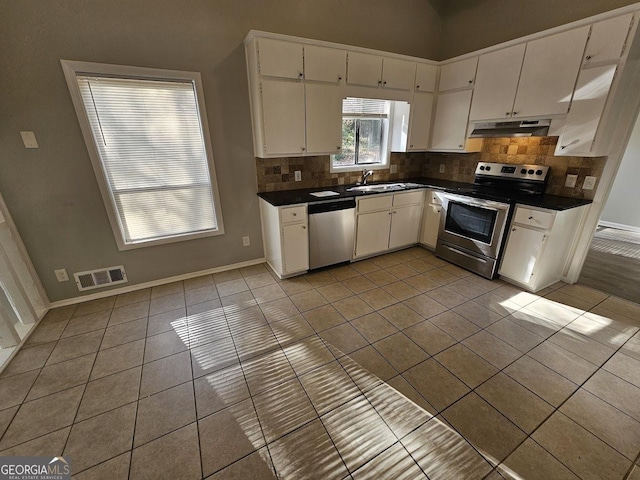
[426, 77]
[372, 233]
[421, 113]
[398, 74]
[295, 245]
[431, 225]
[364, 69]
[588, 104]
[496, 83]
[280, 59]
[458, 74]
[521, 254]
[549, 73]
[283, 117]
[405, 226]
[450, 126]
[324, 118]
[324, 64]
[607, 39]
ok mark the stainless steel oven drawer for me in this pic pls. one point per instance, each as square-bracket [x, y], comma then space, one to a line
[481, 265]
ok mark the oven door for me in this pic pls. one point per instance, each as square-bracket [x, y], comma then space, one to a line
[473, 224]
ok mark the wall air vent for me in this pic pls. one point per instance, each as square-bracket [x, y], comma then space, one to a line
[100, 278]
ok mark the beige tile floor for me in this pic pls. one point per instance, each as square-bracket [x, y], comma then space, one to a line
[401, 366]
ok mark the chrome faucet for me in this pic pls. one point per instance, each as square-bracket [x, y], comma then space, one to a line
[365, 174]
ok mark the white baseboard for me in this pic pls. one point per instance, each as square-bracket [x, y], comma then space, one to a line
[620, 226]
[154, 283]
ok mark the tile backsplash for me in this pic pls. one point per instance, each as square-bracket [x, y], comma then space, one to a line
[278, 173]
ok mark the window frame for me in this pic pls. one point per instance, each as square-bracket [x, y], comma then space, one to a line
[71, 70]
[386, 150]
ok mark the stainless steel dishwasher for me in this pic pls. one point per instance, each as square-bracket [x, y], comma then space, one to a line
[331, 227]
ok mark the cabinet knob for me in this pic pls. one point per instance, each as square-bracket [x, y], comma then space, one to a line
[294, 214]
[304, 227]
[300, 74]
[587, 58]
[507, 113]
[339, 78]
[562, 147]
[470, 81]
[384, 83]
[302, 148]
[513, 229]
[379, 82]
[530, 218]
[515, 113]
[410, 146]
[417, 87]
[338, 148]
[390, 213]
[459, 146]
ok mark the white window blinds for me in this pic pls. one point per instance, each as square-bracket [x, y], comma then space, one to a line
[149, 138]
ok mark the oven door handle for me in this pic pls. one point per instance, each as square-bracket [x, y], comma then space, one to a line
[460, 252]
[488, 205]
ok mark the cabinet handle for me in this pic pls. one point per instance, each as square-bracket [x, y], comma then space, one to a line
[294, 214]
[587, 58]
[530, 218]
[562, 147]
[513, 229]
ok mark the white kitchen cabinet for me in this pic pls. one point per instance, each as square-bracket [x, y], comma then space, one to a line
[277, 58]
[549, 73]
[398, 74]
[372, 233]
[450, 124]
[496, 83]
[607, 40]
[426, 76]
[324, 64]
[580, 129]
[323, 118]
[538, 245]
[364, 69]
[386, 222]
[283, 117]
[458, 75]
[431, 220]
[420, 125]
[286, 238]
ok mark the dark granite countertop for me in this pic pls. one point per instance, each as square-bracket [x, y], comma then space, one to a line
[292, 197]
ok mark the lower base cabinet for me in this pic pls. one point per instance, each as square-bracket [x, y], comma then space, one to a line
[538, 245]
[386, 222]
[286, 238]
[431, 220]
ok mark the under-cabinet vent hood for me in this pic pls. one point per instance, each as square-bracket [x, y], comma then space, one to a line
[520, 128]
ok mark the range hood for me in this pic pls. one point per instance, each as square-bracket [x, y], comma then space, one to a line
[520, 128]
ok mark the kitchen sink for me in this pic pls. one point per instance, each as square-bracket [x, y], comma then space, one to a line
[382, 187]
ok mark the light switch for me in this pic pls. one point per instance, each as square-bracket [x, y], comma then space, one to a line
[393, 169]
[589, 183]
[571, 181]
[29, 139]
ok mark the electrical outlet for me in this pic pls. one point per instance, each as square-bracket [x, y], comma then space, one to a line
[298, 175]
[246, 241]
[442, 168]
[589, 183]
[571, 181]
[393, 169]
[29, 139]
[61, 275]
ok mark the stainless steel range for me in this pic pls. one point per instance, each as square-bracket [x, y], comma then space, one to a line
[474, 218]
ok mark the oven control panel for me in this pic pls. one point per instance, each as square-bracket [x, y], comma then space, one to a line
[509, 170]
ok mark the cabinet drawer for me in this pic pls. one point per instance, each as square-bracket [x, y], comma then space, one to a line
[379, 202]
[534, 218]
[408, 198]
[434, 198]
[293, 214]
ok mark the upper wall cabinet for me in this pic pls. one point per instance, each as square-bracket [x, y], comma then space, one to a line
[323, 64]
[283, 117]
[368, 70]
[457, 75]
[607, 40]
[426, 76]
[280, 59]
[497, 83]
[364, 69]
[549, 73]
[450, 125]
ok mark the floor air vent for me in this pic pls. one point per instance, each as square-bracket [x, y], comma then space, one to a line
[100, 278]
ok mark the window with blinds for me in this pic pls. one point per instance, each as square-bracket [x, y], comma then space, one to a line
[365, 133]
[148, 135]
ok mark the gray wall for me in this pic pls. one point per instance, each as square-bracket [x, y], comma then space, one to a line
[52, 192]
[474, 24]
[624, 198]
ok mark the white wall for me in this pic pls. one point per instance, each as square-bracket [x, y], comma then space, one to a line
[623, 204]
